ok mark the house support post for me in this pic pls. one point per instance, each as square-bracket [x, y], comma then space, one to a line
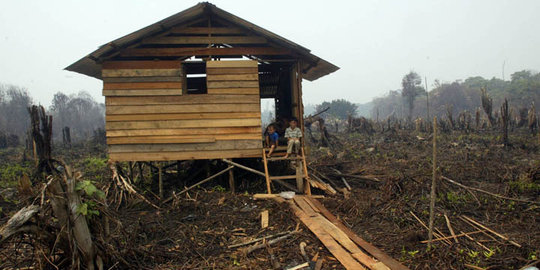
[231, 181]
[160, 180]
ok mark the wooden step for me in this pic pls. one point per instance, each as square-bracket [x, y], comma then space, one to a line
[285, 177]
[277, 149]
[283, 158]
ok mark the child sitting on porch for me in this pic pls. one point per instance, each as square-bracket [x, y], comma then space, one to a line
[293, 135]
[271, 139]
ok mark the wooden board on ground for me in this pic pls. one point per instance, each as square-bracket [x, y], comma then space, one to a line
[372, 250]
[334, 247]
[264, 219]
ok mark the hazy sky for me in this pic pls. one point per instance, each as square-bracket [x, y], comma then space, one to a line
[373, 42]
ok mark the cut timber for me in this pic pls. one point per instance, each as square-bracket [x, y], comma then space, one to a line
[187, 99]
[188, 155]
[305, 206]
[195, 146]
[347, 243]
[262, 196]
[142, 79]
[161, 64]
[283, 177]
[264, 219]
[234, 77]
[341, 254]
[213, 138]
[183, 131]
[206, 40]
[143, 92]
[232, 64]
[232, 70]
[233, 91]
[249, 122]
[202, 51]
[233, 84]
[142, 85]
[140, 72]
[159, 140]
[178, 116]
[183, 108]
[372, 250]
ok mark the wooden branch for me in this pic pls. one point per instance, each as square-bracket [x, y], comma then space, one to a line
[450, 237]
[487, 192]
[271, 242]
[450, 228]
[261, 239]
[491, 231]
[205, 180]
[243, 167]
[343, 179]
[439, 235]
[17, 221]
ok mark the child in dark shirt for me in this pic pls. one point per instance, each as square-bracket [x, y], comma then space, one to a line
[271, 139]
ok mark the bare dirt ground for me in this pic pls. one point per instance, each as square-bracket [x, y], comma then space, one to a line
[194, 231]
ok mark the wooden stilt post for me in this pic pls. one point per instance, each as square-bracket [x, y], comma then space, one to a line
[160, 180]
[299, 177]
[231, 181]
[433, 184]
[266, 175]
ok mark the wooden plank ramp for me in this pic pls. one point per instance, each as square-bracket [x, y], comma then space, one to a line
[348, 248]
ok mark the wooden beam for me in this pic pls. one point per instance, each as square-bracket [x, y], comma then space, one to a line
[372, 250]
[142, 92]
[186, 99]
[151, 64]
[207, 30]
[140, 72]
[178, 116]
[232, 64]
[158, 140]
[205, 51]
[142, 85]
[206, 40]
[234, 77]
[231, 70]
[203, 123]
[184, 131]
[183, 108]
[190, 155]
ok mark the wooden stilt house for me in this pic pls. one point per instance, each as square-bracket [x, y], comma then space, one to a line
[189, 86]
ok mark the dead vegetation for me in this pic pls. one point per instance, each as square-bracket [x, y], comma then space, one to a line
[376, 178]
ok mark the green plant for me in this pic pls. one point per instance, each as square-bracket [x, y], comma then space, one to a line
[88, 209]
[532, 256]
[9, 174]
[89, 189]
[489, 253]
[219, 188]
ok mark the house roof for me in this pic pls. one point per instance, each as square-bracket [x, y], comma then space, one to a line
[313, 66]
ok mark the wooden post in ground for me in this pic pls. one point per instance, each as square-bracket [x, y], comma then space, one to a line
[231, 181]
[433, 184]
[299, 178]
[160, 180]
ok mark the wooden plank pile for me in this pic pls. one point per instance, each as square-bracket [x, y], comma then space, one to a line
[349, 249]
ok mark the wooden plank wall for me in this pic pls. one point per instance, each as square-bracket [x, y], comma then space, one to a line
[148, 118]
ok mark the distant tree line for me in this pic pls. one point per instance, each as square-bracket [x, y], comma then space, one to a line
[83, 116]
[451, 98]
